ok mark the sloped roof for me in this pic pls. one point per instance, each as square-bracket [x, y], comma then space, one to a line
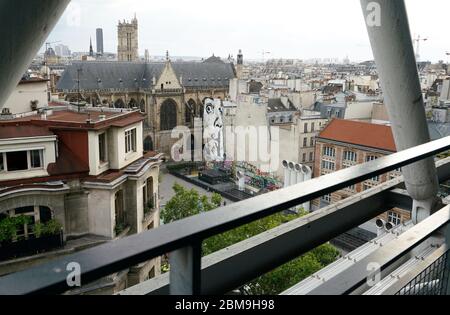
[11, 131]
[129, 75]
[360, 133]
[276, 105]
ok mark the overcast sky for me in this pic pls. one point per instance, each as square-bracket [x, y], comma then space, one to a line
[285, 28]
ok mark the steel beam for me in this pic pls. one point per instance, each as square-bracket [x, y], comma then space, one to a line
[119, 255]
[280, 245]
[185, 265]
[390, 37]
[24, 26]
[352, 278]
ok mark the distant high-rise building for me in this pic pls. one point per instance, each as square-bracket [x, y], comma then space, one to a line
[128, 40]
[62, 51]
[99, 39]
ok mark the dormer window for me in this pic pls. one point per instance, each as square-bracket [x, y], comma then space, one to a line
[130, 141]
[102, 148]
[21, 160]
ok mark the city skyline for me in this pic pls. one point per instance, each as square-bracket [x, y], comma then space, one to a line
[273, 29]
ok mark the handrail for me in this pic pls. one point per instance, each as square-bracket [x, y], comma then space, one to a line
[349, 280]
[119, 255]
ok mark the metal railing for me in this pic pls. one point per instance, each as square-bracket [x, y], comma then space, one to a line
[183, 238]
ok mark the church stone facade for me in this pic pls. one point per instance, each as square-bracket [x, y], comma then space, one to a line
[169, 93]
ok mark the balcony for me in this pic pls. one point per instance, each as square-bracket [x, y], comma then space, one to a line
[410, 259]
[233, 267]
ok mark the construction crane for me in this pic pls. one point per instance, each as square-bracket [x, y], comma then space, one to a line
[417, 41]
[264, 53]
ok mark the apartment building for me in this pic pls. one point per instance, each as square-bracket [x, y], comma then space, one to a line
[84, 170]
[345, 143]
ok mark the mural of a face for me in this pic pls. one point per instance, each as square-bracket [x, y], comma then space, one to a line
[213, 130]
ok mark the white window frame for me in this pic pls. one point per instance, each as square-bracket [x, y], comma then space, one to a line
[329, 152]
[394, 218]
[29, 164]
[371, 158]
[105, 144]
[41, 157]
[327, 198]
[131, 141]
[328, 165]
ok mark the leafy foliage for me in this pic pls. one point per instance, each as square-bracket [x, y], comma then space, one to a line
[187, 203]
[9, 227]
[50, 228]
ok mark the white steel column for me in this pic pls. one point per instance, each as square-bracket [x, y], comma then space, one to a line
[24, 26]
[390, 37]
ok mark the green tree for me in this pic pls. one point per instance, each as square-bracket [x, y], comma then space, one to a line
[187, 203]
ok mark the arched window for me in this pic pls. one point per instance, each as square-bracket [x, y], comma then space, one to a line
[142, 106]
[148, 144]
[188, 115]
[168, 115]
[191, 112]
[119, 103]
[200, 111]
[132, 103]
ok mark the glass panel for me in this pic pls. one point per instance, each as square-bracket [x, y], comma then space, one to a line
[17, 161]
[36, 158]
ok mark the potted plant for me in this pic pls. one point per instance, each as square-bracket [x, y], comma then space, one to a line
[46, 236]
[149, 207]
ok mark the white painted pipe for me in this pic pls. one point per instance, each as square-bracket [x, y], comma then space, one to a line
[380, 227]
[241, 180]
[390, 37]
[293, 174]
[306, 177]
[300, 174]
[287, 174]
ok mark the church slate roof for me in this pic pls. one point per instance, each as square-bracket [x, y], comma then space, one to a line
[130, 76]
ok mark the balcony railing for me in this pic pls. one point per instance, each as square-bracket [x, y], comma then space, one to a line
[231, 268]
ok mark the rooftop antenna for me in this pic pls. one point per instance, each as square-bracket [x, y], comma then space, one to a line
[264, 53]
